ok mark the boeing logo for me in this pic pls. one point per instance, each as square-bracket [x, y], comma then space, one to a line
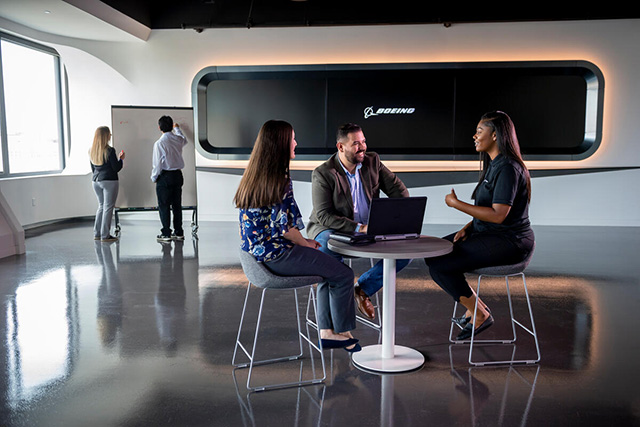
[368, 112]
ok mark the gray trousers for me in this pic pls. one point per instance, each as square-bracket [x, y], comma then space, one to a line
[336, 305]
[107, 193]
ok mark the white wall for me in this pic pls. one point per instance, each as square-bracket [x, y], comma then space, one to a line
[160, 72]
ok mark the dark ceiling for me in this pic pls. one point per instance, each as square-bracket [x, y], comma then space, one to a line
[202, 14]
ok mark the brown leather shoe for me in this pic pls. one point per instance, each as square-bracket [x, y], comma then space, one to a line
[365, 307]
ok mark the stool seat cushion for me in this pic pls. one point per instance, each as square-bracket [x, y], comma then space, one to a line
[261, 277]
[505, 270]
[501, 270]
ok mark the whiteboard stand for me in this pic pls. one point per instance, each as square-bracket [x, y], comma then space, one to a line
[194, 218]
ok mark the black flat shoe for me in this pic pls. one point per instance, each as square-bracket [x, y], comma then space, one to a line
[468, 329]
[461, 321]
[354, 349]
[327, 343]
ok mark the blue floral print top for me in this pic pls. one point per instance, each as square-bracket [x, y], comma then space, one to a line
[262, 229]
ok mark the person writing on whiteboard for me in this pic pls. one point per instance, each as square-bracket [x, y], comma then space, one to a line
[105, 165]
[342, 189]
[167, 174]
[500, 232]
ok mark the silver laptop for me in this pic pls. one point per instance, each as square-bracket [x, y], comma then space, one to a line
[390, 219]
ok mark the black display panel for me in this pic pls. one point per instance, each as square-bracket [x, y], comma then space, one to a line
[407, 111]
[401, 112]
[236, 109]
[548, 110]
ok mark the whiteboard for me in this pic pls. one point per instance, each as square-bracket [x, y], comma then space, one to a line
[135, 130]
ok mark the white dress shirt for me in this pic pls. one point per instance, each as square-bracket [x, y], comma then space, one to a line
[167, 153]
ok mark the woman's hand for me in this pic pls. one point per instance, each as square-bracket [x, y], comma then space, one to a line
[296, 237]
[460, 235]
[312, 243]
[496, 213]
[451, 199]
[121, 155]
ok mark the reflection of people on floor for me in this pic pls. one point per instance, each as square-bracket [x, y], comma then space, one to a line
[348, 388]
[475, 396]
[171, 296]
[109, 297]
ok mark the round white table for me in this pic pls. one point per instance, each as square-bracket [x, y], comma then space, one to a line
[389, 357]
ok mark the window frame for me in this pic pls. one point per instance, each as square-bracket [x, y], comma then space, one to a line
[61, 111]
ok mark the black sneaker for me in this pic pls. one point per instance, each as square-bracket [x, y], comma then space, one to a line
[163, 238]
[174, 236]
[109, 238]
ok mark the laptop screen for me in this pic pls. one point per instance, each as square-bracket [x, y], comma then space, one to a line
[403, 215]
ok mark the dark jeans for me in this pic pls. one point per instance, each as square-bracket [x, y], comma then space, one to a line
[169, 192]
[336, 306]
[371, 280]
[478, 250]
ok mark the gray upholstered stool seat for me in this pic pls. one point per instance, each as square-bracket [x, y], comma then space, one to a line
[505, 271]
[261, 277]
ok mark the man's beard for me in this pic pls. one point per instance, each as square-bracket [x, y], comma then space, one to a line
[353, 158]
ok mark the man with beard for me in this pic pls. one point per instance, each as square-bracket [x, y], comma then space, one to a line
[342, 190]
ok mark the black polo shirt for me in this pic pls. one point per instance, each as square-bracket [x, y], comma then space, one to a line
[505, 183]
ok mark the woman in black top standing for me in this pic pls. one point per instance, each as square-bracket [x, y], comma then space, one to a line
[500, 232]
[105, 165]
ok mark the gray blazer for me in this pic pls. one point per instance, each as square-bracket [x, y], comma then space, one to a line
[331, 195]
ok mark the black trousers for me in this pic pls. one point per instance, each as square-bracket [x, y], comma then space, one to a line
[478, 250]
[169, 192]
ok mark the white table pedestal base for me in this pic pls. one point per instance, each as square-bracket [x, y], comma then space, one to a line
[405, 359]
[389, 357]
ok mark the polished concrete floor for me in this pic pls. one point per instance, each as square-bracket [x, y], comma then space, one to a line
[138, 333]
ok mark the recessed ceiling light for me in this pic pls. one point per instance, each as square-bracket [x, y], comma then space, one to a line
[47, 12]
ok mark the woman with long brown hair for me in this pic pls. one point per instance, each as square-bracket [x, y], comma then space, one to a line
[270, 224]
[500, 232]
[105, 165]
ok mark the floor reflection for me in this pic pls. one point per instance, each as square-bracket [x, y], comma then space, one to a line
[140, 333]
[109, 297]
[171, 297]
[478, 395]
[296, 406]
[41, 336]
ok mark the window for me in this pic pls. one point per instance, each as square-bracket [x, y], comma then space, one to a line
[31, 134]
